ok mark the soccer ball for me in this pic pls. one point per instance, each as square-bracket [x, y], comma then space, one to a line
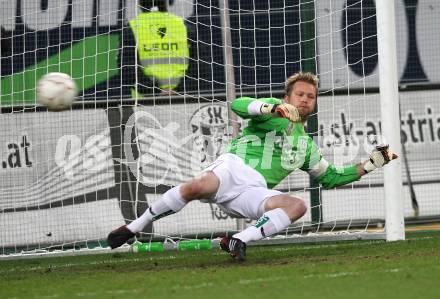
[56, 91]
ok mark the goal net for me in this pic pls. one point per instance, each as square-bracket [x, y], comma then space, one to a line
[68, 178]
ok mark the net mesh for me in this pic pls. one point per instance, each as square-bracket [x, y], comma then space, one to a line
[68, 178]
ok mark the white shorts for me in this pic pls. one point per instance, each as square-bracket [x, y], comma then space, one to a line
[242, 189]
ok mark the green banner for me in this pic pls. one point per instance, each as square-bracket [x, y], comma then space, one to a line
[90, 62]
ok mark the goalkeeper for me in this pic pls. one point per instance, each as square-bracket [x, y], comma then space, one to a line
[240, 181]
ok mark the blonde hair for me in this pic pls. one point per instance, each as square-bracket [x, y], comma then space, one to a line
[301, 76]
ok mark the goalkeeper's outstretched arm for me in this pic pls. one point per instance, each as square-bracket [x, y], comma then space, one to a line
[330, 176]
[264, 109]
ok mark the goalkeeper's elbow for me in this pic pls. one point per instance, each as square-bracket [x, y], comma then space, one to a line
[327, 185]
[324, 184]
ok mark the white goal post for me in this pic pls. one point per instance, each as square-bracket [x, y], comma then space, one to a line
[68, 178]
[390, 112]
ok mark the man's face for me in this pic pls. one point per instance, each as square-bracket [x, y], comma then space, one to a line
[303, 97]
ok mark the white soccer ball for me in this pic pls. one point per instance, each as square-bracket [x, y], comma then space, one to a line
[56, 91]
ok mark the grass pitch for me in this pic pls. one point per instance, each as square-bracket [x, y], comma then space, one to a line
[363, 269]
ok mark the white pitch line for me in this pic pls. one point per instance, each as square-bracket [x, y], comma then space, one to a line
[354, 273]
[256, 280]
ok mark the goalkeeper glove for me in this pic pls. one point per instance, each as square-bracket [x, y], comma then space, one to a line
[282, 110]
[380, 156]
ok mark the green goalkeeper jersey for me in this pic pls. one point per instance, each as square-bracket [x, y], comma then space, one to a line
[275, 147]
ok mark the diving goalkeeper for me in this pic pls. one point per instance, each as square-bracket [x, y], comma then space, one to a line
[240, 181]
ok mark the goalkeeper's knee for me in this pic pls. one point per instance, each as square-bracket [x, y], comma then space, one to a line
[203, 187]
